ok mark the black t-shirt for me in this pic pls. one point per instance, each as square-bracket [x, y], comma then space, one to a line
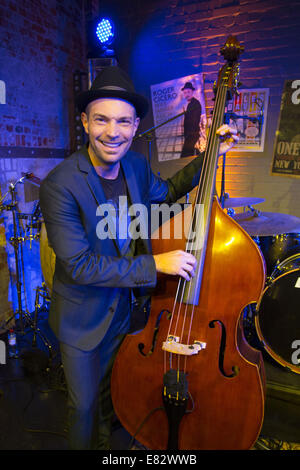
[113, 189]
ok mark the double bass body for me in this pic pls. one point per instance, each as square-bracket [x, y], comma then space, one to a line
[225, 380]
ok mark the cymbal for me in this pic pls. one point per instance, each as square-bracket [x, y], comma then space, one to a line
[241, 201]
[267, 223]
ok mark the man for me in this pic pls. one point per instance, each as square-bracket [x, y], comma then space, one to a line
[95, 275]
[191, 123]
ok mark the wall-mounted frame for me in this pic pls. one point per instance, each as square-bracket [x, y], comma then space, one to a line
[171, 109]
[247, 112]
[286, 154]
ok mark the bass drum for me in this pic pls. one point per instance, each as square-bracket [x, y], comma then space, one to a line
[277, 248]
[278, 314]
[48, 258]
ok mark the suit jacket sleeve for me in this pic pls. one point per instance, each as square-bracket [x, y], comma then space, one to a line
[178, 185]
[68, 239]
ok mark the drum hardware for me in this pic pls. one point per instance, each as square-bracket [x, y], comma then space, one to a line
[242, 202]
[277, 319]
[231, 203]
[276, 248]
[34, 224]
[267, 223]
[33, 358]
[6, 207]
[277, 235]
[47, 255]
[249, 314]
[17, 240]
[273, 323]
[231, 211]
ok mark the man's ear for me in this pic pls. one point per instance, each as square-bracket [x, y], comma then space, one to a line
[136, 124]
[84, 120]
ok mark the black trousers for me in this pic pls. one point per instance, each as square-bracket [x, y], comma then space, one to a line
[88, 375]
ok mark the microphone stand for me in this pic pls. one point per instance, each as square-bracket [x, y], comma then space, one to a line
[149, 133]
[223, 194]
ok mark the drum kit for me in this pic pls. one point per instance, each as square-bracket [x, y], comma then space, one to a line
[276, 317]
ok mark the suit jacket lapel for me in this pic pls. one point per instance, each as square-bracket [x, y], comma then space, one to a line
[131, 181]
[135, 195]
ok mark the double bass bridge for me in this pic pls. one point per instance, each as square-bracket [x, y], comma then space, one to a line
[173, 345]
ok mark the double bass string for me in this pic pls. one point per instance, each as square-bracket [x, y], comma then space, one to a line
[202, 186]
[212, 163]
[205, 190]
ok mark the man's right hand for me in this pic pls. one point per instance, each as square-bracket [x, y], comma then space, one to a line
[176, 262]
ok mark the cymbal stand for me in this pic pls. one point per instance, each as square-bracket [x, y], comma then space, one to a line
[40, 292]
[34, 353]
[15, 242]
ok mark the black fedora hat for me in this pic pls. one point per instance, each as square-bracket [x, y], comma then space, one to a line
[113, 82]
[189, 86]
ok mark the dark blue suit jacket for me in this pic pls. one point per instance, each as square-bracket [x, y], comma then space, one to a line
[90, 273]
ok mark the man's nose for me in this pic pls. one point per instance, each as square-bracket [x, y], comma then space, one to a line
[112, 129]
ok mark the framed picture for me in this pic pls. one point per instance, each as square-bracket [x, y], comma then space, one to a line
[286, 155]
[179, 117]
[247, 112]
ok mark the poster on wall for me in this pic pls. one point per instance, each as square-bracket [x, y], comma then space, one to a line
[179, 117]
[286, 156]
[247, 113]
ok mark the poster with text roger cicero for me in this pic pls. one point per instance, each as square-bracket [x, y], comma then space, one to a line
[286, 157]
[179, 117]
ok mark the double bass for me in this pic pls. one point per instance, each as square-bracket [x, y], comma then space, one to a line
[189, 380]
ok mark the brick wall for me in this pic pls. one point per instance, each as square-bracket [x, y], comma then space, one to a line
[163, 40]
[42, 43]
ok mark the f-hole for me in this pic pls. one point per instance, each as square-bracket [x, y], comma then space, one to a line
[141, 346]
[235, 369]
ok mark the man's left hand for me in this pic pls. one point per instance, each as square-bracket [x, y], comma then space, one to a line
[228, 137]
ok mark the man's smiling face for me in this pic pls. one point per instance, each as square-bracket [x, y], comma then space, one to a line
[111, 124]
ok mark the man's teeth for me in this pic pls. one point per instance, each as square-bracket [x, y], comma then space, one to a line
[112, 144]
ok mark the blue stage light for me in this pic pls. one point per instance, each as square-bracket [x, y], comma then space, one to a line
[105, 31]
